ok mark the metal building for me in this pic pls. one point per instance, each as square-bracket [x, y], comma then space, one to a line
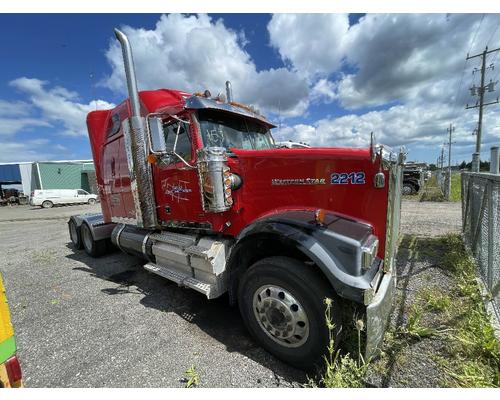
[72, 174]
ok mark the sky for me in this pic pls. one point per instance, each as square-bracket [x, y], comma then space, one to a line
[324, 79]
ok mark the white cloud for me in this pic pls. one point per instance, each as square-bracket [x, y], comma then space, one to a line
[11, 109]
[408, 66]
[17, 116]
[58, 106]
[194, 53]
[401, 125]
[324, 90]
[11, 126]
[30, 150]
[312, 43]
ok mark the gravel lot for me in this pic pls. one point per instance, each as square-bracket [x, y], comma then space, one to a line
[430, 219]
[84, 322]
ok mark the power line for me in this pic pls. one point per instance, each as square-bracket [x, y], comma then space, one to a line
[463, 69]
[480, 91]
[493, 34]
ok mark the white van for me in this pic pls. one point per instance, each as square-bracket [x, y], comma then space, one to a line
[47, 198]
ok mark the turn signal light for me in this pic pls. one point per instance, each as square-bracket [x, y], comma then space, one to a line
[152, 159]
[319, 216]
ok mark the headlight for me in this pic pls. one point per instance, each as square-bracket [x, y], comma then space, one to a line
[369, 252]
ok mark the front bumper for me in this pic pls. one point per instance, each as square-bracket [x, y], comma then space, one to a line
[377, 313]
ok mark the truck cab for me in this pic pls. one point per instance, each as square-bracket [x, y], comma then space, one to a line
[195, 185]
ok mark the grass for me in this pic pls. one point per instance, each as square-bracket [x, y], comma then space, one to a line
[456, 187]
[431, 191]
[341, 370]
[414, 328]
[469, 354]
[434, 300]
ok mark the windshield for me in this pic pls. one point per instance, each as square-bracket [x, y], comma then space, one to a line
[221, 129]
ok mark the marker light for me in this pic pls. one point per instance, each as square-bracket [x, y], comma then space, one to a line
[152, 159]
[14, 372]
[319, 216]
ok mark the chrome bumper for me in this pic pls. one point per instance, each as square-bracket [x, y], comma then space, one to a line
[377, 314]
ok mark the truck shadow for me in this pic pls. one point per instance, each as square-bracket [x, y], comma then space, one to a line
[214, 317]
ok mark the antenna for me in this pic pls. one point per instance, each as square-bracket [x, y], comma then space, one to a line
[279, 116]
[92, 89]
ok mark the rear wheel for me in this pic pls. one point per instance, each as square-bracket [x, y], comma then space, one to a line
[47, 204]
[281, 301]
[74, 234]
[91, 202]
[93, 248]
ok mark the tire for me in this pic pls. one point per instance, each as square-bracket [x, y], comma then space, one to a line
[407, 189]
[94, 248]
[291, 299]
[47, 204]
[92, 202]
[74, 234]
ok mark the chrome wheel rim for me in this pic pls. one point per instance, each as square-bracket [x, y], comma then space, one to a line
[281, 316]
[87, 238]
[73, 233]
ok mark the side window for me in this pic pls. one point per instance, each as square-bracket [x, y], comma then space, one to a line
[114, 125]
[82, 192]
[183, 147]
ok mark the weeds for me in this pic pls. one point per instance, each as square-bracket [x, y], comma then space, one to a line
[431, 191]
[435, 301]
[456, 187]
[414, 328]
[192, 378]
[341, 371]
[452, 319]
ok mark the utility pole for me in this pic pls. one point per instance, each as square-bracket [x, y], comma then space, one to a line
[450, 130]
[480, 90]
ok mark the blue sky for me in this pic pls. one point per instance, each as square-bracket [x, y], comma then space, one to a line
[329, 79]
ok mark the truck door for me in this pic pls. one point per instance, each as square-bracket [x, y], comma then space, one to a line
[177, 191]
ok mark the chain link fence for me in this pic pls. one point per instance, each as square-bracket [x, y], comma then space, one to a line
[481, 227]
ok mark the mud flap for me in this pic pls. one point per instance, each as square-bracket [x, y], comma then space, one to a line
[377, 314]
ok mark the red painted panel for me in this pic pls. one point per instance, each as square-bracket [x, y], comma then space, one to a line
[179, 188]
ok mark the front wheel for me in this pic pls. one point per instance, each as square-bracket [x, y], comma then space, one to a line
[407, 189]
[91, 202]
[47, 204]
[282, 304]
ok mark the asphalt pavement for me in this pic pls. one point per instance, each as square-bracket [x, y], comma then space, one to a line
[106, 322]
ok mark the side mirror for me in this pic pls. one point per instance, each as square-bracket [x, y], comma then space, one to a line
[157, 136]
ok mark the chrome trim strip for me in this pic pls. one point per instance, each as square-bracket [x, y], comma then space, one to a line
[144, 241]
[118, 237]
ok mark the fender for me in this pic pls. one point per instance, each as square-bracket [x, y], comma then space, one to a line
[335, 247]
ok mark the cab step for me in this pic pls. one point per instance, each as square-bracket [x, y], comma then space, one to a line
[211, 290]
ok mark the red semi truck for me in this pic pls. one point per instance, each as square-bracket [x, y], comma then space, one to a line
[195, 186]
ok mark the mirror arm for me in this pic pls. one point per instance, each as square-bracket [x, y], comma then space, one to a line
[183, 160]
[179, 119]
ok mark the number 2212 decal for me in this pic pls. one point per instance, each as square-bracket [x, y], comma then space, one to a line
[345, 178]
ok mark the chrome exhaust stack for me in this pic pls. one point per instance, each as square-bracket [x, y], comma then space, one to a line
[229, 92]
[134, 131]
